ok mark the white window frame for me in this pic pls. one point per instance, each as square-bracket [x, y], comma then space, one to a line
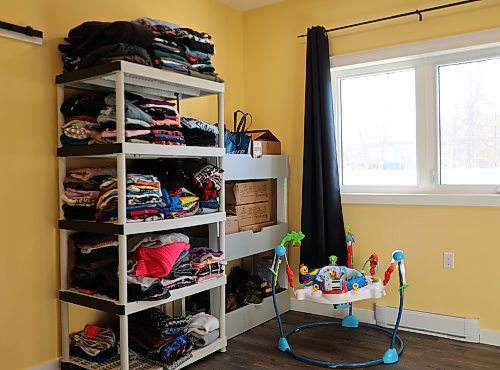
[424, 57]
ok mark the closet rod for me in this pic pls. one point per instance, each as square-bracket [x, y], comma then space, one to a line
[23, 33]
[416, 12]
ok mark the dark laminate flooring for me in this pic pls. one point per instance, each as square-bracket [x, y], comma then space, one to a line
[256, 349]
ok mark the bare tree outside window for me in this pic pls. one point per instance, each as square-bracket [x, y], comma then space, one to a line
[469, 118]
[378, 118]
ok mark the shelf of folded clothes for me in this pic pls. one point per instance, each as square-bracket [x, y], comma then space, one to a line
[138, 362]
[140, 150]
[247, 317]
[248, 243]
[90, 129]
[103, 303]
[141, 227]
[157, 341]
[141, 80]
[181, 193]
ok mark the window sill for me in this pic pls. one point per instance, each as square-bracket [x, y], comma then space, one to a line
[473, 200]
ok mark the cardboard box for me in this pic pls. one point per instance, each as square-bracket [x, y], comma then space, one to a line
[257, 227]
[251, 214]
[248, 192]
[264, 142]
[232, 225]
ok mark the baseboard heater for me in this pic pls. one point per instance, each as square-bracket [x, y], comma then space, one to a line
[458, 328]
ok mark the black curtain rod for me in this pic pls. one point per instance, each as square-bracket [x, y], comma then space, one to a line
[416, 12]
[24, 30]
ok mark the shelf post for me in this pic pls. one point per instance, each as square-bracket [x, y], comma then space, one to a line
[121, 170]
[120, 106]
[124, 362]
[222, 224]
[63, 236]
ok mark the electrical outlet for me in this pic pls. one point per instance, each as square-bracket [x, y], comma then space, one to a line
[449, 260]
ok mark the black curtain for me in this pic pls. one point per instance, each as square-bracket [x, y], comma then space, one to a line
[322, 220]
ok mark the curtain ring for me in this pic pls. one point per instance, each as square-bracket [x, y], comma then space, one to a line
[419, 13]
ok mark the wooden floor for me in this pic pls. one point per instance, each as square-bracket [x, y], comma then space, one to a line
[256, 349]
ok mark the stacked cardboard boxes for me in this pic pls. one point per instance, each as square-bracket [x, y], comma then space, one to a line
[249, 205]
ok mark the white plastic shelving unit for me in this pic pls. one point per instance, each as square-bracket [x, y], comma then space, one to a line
[119, 77]
[244, 245]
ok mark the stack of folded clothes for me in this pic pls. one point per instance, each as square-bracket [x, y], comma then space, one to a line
[143, 41]
[165, 339]
[95, 255]
[96, 266]
[181, 50]
[203, 328]
[199, 50]
[165, 125]
[176, 184]
[206, 182]
[94, 344]
[137, 122]
[154, 255]
[165, 51]
[80, 120]
[195, 183]
[82, 190]
[208, 264]
[188, 201]
[144, 199]
[199, 133]
[93, 43]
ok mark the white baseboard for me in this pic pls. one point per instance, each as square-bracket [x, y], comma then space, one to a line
[452, 327]
[491, 337]
[367, 316]
[49, 365]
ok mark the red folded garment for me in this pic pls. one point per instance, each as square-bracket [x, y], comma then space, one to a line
[157, 262]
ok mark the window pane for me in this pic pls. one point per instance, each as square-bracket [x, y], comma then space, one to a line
[378, 129]
[469, 115]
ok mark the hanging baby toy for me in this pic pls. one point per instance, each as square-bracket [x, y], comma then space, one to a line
[340, 286]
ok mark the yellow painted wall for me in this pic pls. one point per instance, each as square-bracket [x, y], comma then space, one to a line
[263, 65]
[29, 306]
[274, 94]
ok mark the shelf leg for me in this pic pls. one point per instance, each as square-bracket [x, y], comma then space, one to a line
[124, 365]
[121, 165]
[122, 269]
[120, 107]
[65, 330]
[221, 232]
[183, 306]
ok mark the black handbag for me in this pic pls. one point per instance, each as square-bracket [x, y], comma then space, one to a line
[238, 142]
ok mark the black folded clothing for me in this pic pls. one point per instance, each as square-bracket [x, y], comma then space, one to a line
[92, 35]
[198, 137]
[78, 213]
[87, 279]
[83, 105]
[113, 50]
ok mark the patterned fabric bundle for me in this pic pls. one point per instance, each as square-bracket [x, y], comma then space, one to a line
[82, 191]
[165, 125]
[94, 344]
